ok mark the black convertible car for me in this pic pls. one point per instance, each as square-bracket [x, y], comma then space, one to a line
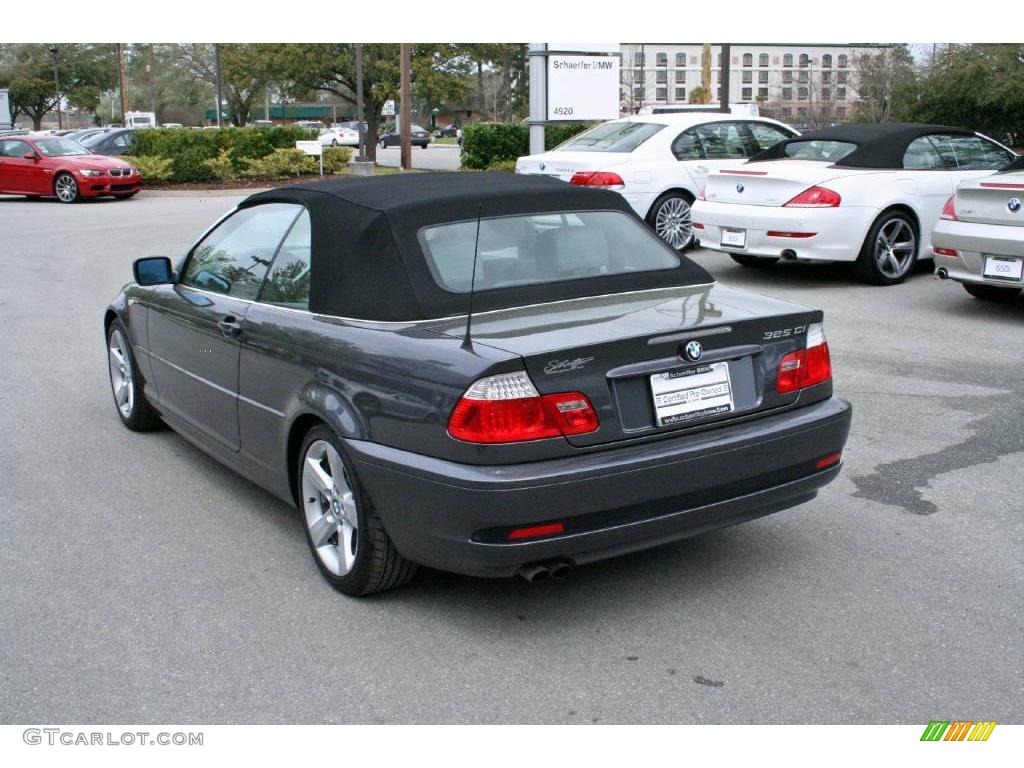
[484, 373]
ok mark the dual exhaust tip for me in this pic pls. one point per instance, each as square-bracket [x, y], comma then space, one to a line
[549, 570]
[942, 273]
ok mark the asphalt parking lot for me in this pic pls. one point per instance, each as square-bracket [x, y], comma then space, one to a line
[144, 583]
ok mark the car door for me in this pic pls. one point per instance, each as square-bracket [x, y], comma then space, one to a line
[973, 157]
[708, 147]
[765, 135]
[196, 325]
[20, 172]
[926, 181]
[119, 144]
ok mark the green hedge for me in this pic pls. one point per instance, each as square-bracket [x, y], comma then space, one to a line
[200, 155]
[486, 145]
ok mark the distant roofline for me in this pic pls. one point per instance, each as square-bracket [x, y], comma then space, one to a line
[784, 45]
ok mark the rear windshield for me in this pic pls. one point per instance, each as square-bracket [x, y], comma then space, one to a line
[612, 137]
[542, 248]
[827, 151]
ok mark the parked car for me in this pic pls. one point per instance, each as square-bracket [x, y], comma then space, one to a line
[448, 132]
[659, 163]
[420, 137]
[606, 394]
[116, 141]
[863, 193]
[53, 166]
[339, 137]
[172, 125]
[979, 238]
[310, 125]
[261, 124]
[82, 133]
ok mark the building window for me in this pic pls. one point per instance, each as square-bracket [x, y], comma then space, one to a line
[787, 77]
[801, 94]
[787, 111]
[746, 94]
[826, 77]
[826, 61]
[748, 77]
[802, 77]
[843, 61]
[662, 59]
[801, 111]
[840, 94]
[748, 59]
[638, 59]
[762, 94]
[680, 94]
[638, 75]
[661, 94]
[826, 94]
[638, 92]
[787, 60]
[787, 94]
[762, 77]
[680, 75]
[762, 60]
[840, 111]
[680, 59]
[841, 78]
[804, 60]
[661, 77]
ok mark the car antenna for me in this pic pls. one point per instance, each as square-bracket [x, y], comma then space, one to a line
[467, 342]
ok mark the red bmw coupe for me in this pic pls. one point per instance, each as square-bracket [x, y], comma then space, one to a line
[51, 166]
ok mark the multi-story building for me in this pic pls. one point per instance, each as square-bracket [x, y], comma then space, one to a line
[809, 82]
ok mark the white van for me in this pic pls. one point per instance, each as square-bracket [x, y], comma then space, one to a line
[140, 120]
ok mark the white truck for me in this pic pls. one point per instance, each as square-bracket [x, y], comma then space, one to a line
[140, 120]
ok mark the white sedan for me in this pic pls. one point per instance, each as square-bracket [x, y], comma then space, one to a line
[866, 193]
[979, 239]
[339, 137]
[659, 163]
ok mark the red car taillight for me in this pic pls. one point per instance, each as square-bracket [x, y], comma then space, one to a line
[949, 211]
[815, 197]
[597, 179]
[508, 409]
[805, 367]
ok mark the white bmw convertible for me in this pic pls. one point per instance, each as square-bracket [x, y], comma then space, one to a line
[866, 193]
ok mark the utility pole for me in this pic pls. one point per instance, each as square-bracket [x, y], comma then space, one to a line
[56, 84]
[361, 154]
[405, 94]
[538, 95]
[123, 80]
[220, 85]
[723, 77]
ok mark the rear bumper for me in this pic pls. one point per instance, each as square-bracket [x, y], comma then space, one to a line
[973, 242]
[442, 514]
[838, 233]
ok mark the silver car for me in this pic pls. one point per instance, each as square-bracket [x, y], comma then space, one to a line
[979, 240]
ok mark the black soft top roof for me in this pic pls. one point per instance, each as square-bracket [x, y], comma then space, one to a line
[879, 145]
[367, 260]
[1016, 165]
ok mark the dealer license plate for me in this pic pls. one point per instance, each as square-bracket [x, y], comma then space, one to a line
[734, 238]
[1003, 268]
[692, 393]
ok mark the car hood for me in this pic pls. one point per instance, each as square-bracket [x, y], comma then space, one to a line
[92, 162]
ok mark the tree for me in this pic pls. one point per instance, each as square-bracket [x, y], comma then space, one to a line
[886, 81]
[246, 70]
[698, 95]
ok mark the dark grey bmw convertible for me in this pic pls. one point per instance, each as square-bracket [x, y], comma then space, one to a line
[483, 373]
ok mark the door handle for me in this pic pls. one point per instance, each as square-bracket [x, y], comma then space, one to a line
[229, 327]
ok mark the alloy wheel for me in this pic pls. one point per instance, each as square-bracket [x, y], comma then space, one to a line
[673, 222]
[66, 188]
[895, 247]
[330, 508]
[121, 379]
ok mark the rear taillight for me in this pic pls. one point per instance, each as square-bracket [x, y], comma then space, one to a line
[508, 409]
[805, 367]
[815, 197]
[945, 252]
[948, 211]
[597, 179]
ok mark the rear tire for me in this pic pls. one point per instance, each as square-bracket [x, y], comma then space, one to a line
[345, 535]
[672, 220]
[889, 251]
[754, 262]
[992, 292]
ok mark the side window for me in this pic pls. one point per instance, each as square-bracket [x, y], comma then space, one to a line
[722, 141]
[766, 135]
[233, 259]
[287, 284]
[974, 153]
[14, 148]
[121, 140]
[687, 146]
[922, 155]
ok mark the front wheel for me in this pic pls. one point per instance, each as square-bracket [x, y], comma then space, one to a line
[889, 250]
[66, 188]
[671, 219]
[133, 408]
[755, 262]
[347, 538]
[992, 292]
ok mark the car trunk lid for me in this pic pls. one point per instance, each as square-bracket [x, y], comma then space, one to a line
[770, 183]
[563, 165]
[995, 199]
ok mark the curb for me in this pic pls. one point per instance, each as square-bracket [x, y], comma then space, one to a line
[241, 192]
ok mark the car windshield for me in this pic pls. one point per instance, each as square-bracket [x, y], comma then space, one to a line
[61, 147]
[612, 137]
[825, 151]
[94, 139]
[541, 248]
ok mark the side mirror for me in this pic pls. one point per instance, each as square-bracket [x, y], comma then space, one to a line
[153, 270]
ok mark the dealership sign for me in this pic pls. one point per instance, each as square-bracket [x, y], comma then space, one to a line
[5, 108]
[582, 87]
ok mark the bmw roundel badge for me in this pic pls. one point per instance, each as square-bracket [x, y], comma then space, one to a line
[1013, 204]
[740, 188]
[693, 351]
